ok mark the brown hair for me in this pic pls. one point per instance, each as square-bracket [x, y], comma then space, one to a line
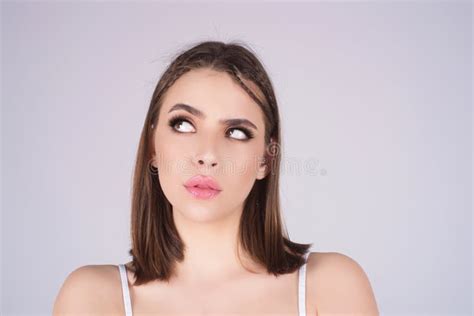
[156, 244]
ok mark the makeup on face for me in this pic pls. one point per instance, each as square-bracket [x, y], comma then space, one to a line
[240, 129]
[203, 187]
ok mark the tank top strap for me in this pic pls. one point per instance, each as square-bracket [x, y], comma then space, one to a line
[302, 287]
[125, 291]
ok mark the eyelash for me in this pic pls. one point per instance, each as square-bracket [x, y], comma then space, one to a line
[178, 118]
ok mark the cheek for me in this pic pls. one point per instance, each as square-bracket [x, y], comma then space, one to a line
[169, 159]
[174, 153]
[170, 156]
[239, 179]
[240, 169]
[241, 165]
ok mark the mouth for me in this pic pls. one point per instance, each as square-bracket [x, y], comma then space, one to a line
[203, 187]
[202, 193]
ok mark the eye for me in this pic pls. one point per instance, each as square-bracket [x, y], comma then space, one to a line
[180, 121]
[241, 134]
[181, 124]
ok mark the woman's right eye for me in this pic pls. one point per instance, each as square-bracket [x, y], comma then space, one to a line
[177, 122]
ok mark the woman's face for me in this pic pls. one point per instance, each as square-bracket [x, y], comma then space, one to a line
[199, 143]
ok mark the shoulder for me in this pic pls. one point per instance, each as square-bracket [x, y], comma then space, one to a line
[338, 284]
[89, 289]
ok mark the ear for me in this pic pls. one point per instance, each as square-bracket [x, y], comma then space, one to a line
[153, 161]
[262, 169]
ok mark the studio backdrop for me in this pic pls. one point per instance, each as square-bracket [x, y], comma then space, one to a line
[376, 108]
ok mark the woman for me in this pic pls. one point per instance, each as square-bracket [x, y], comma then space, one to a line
[206, 228]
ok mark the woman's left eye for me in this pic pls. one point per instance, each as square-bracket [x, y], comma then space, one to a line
[239, 134]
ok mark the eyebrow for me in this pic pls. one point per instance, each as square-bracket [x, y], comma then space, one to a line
[198, 113]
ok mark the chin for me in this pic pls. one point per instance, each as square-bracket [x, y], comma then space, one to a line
[198, 213]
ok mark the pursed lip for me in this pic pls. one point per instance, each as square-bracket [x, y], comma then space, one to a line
[204, 182]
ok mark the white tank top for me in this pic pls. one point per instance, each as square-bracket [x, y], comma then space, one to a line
[301, 289]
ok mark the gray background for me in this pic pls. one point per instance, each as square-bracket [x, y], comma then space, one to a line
[375, 100]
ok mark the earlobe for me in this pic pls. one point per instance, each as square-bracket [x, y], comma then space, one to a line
[262, 170]
[153, 162]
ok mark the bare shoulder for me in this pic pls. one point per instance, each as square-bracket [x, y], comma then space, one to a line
[338, 284]
[91, 289]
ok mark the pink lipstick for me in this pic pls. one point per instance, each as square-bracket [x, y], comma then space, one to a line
[202, 187]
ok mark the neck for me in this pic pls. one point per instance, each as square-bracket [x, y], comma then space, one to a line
[211, 249]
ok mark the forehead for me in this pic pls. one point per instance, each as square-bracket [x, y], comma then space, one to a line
[216, 94]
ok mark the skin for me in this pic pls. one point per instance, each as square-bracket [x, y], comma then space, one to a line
[212, 278]
[205, 146]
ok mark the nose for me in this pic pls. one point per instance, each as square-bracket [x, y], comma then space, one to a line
[206, 148]
[206, 160]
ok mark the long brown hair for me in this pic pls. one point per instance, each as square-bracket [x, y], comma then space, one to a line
[156, 244]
